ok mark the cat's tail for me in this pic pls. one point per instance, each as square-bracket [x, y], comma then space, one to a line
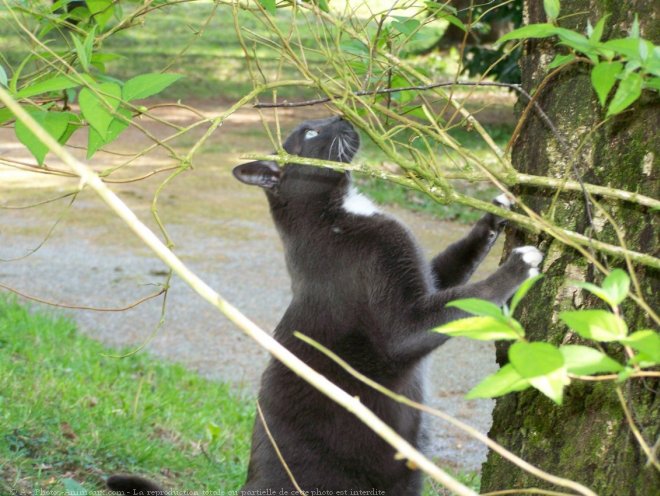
[132, 484]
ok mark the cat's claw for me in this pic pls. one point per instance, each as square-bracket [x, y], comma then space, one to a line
[495, 222]
[532, 257]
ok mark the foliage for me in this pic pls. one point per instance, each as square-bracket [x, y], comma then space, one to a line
[71, 410]
[632, 62]
[547, 367]
[499, 62]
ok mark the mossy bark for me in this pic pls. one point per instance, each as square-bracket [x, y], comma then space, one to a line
[587, 439]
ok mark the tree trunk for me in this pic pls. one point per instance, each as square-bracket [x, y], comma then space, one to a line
[587, 439]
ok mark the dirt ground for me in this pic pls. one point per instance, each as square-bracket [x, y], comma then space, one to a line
[223, 232]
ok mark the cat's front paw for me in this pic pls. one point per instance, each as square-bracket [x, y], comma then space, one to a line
[496, 223]
[528, 258]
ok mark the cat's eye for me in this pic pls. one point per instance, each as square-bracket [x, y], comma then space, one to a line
[311, 133]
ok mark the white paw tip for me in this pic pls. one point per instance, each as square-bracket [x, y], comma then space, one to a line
[504, 201]
[530, 255]
[533, 272]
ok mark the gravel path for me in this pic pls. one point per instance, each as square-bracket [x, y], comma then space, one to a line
[222, 230]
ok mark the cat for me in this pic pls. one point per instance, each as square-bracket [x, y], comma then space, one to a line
[362, 288]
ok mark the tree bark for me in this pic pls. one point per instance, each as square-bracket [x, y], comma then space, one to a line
[587, 439]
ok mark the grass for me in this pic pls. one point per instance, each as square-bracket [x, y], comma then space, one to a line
[67, 410]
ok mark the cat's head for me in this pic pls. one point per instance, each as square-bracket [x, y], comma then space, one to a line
[327, 139]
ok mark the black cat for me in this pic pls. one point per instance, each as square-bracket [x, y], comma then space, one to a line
[362, 288]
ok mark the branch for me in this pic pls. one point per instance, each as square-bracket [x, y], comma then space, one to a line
[82, 307]
[264, 339]
[424, 87]
[564, 235]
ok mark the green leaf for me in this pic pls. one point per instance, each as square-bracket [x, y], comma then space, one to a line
[629, 90]
[597, 32]
[552, 384]
[584, 360]
[522, 291]
[575, 40]
[55, 123]
[81, 50]
[476, 306]
[406, 26]
[481, 328]
[101, 10]
[535, 359]
[98, 110]
[653, 83]
[551, 8]
[616, 285]
[452, 19]
[634, 29]
[4, 81]
[323, 5]
[146, 85]
[592, 288]
[505, 380]
[116, 127]
[73, 488]
[599, 325]
[560, 60]
[603, 77]
[354, 47]
[646, 342]
[530, 31]
[57, 83]
[269, 6]
[6, 115]
[628, 47]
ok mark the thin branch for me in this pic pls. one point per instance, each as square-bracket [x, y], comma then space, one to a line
[82, 307]
[614, 377]
[532, 224]
[278, 452]
[317, 101]
[531, 490]
[633, 427]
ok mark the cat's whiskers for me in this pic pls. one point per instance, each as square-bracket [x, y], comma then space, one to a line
[330, 149]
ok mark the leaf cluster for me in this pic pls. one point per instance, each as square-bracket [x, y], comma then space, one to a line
[546, 367]
[630, 64]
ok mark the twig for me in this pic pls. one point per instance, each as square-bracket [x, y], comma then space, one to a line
[82, 307]
[530, 490]
[532, 224]
[278, 452]
[613, 377]
[317, 101]
[633, 427]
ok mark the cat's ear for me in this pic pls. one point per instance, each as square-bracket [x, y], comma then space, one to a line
[262, 173]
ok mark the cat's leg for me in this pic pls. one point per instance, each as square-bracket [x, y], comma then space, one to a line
[411, 339]
[458, 262]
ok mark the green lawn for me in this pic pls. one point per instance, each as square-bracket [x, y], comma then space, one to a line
[69, 411]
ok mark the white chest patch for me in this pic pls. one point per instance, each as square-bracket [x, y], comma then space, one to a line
[358, 204]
